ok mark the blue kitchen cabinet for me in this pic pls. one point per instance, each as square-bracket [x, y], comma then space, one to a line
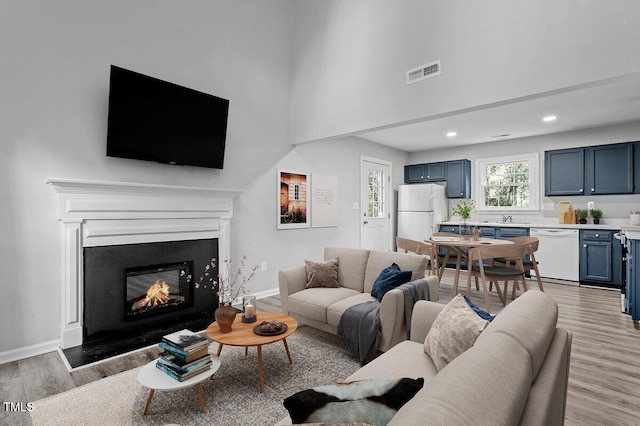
[427, 172]
[636, 167]
[564, 172]
[600, 258]
[609, 169]
[414, 173]
[592, 170]
[633, 279]
[456, 173]
[458, 177]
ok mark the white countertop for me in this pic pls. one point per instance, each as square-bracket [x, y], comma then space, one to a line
[614, 224]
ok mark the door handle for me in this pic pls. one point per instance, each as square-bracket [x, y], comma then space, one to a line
[365, 222]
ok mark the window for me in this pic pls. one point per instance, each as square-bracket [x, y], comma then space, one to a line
[296, 192]
[507, 183]
[376, 194]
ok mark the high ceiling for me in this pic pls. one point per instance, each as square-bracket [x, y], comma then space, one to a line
[601, 103]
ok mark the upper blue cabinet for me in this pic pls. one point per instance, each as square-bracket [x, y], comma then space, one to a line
[456, 173]
[593, 170]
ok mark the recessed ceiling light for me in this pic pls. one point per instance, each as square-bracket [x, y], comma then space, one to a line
[451, 134]
[549, 118]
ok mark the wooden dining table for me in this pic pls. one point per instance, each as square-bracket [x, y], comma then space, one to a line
[459, 247]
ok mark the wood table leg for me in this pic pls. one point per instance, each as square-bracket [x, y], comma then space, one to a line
[220, 345]
[286, 348]
[203, 409]
[260, 370]
[146, 404]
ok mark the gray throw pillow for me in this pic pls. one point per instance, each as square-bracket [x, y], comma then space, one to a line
[454, 330]
[322, 274]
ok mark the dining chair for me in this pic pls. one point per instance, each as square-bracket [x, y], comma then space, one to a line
[420, 248]
[443, 257]
[513, 268]
[529, 262]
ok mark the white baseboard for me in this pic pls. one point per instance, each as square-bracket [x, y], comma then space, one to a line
[29, 351]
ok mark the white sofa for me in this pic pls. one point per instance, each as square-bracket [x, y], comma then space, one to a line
[515, 374]
[357, 271]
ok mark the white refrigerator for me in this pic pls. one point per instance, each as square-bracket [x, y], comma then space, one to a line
[421, 207]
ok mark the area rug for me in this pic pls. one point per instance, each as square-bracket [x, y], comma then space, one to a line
[231, 398]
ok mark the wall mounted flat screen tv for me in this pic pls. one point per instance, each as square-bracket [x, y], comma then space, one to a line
[154, 120]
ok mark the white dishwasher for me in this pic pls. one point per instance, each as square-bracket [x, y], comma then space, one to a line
[558, 253]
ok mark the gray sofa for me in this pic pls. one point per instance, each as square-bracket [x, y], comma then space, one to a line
[516, 373]
[357, 271]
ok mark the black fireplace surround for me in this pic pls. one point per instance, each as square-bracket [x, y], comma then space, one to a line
[112, 273]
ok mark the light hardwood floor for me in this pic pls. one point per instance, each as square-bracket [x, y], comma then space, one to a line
[604, 379]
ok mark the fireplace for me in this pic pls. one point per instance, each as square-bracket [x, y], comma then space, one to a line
[137, 287]
[157, 289]
[109, 216]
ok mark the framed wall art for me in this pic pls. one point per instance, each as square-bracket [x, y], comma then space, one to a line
[293, 200]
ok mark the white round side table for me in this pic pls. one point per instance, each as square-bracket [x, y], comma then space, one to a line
[154, 379]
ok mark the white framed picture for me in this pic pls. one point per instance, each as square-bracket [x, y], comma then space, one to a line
[293, 199]
[324, 198]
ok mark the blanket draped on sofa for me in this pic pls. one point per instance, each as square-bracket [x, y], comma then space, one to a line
[360, 324]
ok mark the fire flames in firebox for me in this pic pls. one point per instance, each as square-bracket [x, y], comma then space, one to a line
[157, 294]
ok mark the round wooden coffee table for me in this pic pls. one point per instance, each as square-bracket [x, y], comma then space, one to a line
[242, 334]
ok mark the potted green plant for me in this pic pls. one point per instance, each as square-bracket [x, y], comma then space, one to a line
[582, 215]
[596, 214]
[463, 209]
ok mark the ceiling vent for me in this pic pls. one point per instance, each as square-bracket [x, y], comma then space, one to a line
[423, 72]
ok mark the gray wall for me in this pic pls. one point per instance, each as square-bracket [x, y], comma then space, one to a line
[53, 118]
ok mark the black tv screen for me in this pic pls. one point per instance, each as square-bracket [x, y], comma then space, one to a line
[154, 120]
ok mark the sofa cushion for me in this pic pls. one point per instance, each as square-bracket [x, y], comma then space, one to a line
[312, 303]
[335, 311]
[389, 278]
[531, 320]
[379, 260]
[486, 385]
[322, 274]
[454, 331]
[406, 359]
[351, 269]
[373, 401]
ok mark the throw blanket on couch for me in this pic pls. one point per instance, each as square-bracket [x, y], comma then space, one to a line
[413, 291]
[360, 324]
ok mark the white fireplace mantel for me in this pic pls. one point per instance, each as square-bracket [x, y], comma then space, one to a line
[98, 213]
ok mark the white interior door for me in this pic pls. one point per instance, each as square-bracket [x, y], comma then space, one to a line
[376, 204]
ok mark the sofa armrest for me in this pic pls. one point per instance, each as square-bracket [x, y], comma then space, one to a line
[290, 281]
[424, 314]
[392, 314]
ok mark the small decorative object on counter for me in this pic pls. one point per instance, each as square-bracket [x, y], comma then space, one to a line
[477, 234]
[582, 216]
[463, 209]
[596, 214]
[249, 309]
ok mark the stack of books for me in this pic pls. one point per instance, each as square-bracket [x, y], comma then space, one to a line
[185, 354]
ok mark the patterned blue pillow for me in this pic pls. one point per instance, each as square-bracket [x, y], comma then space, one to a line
[389, 278]
[482, 314]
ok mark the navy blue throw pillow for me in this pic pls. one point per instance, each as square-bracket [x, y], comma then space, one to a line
[482, 314]
[389, 278]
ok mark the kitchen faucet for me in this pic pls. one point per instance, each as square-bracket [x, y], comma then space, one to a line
[507, 219]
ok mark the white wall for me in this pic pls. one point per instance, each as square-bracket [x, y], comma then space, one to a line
[612, 206]
[254, 227]
[53, 117]
[350, 56]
